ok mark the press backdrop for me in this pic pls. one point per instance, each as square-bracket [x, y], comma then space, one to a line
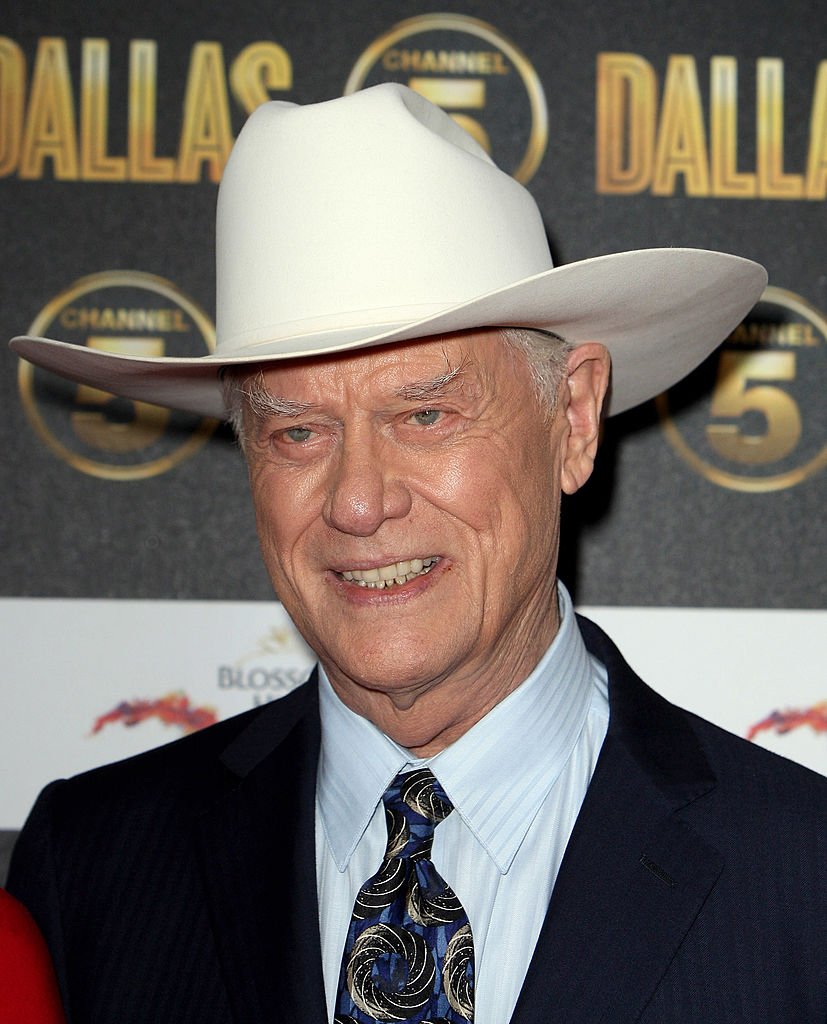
[134, 605]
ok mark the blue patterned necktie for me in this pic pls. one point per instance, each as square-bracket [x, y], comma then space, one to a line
[409, 954]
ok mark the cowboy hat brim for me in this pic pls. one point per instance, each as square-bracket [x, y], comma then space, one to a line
[659, 312]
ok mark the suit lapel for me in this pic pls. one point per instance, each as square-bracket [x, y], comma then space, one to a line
[257, 851]
[635, 875]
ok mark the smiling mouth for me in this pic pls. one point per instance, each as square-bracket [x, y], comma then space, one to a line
[394, 575]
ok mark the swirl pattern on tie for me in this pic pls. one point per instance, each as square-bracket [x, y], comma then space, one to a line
[409, 954]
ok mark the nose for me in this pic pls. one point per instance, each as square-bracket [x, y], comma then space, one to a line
[364, 488]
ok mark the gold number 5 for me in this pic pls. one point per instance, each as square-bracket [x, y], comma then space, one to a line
[98, 431]
[736, 394]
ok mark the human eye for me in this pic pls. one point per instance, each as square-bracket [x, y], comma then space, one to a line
[293, 441]
[297, 435]
[426, 417]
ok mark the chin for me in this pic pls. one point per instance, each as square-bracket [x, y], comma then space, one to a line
[393, 677]
[393, 667]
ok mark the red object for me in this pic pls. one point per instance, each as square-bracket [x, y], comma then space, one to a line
[793, 718]
[28, 987]
[174, 709]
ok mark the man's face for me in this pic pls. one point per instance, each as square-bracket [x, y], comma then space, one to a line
[429, 466]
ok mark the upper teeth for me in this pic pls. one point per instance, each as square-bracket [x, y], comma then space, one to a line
[387, 575]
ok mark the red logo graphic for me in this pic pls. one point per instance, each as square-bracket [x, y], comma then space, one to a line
[173, 709]
[782, 722]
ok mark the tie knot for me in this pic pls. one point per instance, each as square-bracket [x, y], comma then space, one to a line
[415, 803]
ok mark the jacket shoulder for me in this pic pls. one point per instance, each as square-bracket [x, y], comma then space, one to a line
[676, 740]
[188, 771]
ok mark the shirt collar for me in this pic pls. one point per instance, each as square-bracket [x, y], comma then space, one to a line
[357, 763]
[497, 775]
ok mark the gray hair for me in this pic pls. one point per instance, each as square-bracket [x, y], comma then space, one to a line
[544, 352]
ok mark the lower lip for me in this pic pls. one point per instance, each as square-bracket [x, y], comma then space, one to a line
[398, 593]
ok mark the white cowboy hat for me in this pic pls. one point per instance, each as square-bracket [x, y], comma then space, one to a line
[374, 218]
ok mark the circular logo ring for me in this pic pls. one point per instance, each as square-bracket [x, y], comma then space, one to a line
[26, 374]
[724, 478]
[538, 136]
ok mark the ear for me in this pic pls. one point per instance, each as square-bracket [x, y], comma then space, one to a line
[589, 368]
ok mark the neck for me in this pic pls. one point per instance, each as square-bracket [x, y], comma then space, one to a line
[426, 716]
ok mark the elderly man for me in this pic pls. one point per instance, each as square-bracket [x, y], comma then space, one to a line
[473, 810]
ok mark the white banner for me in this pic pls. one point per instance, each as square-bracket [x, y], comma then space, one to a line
[89, 682]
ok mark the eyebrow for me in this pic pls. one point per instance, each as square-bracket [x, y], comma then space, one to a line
[263, 404]
[275, 405]
[427, 390]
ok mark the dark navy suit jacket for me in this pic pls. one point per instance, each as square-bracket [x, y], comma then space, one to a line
[180, 885]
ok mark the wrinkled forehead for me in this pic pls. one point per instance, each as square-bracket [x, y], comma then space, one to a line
[466, 360]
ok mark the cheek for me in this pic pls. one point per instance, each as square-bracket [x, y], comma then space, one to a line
[282, 516]
[497, 489]
[518, 513]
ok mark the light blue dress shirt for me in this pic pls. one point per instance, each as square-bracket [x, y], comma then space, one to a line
[516, 780]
